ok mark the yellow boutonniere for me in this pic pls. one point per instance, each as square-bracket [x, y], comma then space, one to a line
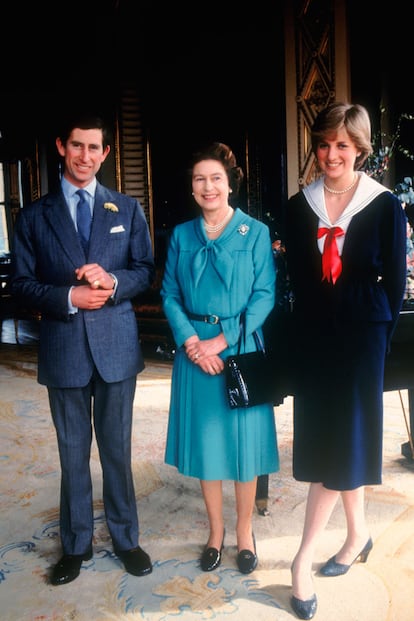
[111, 207]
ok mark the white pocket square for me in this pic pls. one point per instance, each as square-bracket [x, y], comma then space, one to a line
[117, 229]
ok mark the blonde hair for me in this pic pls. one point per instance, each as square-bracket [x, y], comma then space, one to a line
[354, 118]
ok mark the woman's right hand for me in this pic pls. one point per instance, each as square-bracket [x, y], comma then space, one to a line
[207, 347]
[204, 353]
[213, 365]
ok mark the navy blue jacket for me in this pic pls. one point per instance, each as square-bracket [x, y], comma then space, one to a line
[46, 252]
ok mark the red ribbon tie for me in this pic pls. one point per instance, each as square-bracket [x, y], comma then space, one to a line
[331, 261]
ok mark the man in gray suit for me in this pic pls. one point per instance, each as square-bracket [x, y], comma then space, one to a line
[89, 353]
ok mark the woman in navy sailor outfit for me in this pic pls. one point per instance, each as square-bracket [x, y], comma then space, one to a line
[346, 258]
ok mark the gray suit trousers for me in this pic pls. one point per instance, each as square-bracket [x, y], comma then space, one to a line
[109, 408]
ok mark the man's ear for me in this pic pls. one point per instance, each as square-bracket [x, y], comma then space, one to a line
[60, 147]
[105, 152]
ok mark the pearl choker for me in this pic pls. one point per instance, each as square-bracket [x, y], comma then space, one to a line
[344, 191]
[214, 228]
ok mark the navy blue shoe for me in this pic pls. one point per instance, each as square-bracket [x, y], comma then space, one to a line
[332, 568]
[304, 609]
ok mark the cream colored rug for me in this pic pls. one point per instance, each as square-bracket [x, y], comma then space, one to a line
[174, 526]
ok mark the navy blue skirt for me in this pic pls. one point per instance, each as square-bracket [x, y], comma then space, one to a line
[338, 404]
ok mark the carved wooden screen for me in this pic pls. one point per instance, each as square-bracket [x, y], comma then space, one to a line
[315, 73]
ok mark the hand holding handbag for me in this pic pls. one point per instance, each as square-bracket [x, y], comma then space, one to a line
[249, 377]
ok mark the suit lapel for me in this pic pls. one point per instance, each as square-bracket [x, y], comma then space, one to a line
[57, 214]
[101, 223]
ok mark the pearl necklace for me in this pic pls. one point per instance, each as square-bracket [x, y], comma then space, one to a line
[341, 191]
[214, 228]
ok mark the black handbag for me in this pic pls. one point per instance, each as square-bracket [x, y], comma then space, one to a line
[249, 376]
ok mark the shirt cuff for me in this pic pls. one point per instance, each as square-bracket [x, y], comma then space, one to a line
[72, 309]
[114, 278]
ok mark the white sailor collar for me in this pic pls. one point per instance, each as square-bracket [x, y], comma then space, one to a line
[366, 191]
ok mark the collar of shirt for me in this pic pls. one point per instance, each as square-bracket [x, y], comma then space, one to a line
[366, 191]
[69, 192]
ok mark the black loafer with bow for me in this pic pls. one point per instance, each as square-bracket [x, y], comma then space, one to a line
[211, 557]
[247, 560]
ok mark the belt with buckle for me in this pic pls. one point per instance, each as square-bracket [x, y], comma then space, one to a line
[213, 319]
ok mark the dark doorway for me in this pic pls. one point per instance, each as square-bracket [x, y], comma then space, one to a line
[224, 83]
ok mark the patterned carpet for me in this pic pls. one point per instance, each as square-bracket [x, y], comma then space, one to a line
[174, 527]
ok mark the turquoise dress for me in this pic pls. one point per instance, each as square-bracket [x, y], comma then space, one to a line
[235, 272]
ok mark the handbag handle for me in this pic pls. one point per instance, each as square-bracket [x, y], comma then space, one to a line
[258, 339]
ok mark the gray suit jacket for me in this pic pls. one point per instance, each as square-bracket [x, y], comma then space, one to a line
[47, 250]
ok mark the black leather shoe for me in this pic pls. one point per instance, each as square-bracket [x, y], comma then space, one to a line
[304, 609]
[332, 568]
[211, 557]
[136, 561]
[247, 560]
[68, 568]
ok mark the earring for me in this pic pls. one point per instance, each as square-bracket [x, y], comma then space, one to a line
[192, 193]
[230, 191]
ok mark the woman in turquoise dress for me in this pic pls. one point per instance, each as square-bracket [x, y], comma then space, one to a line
[219, 265]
